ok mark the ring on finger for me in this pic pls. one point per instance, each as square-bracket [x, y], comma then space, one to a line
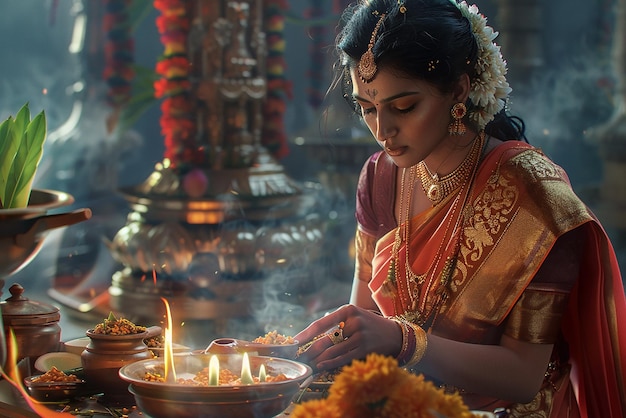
[336, 334]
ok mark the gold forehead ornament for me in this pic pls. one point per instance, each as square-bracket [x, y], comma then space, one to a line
[367, 64]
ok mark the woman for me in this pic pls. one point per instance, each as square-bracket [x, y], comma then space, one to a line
[476, 264]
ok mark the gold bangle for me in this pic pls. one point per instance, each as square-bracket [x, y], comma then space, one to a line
[421, 343]
[402, 355]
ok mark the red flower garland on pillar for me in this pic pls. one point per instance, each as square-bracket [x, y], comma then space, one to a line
[178, 117]
[278, 88]
[119, 56]
[177, 109]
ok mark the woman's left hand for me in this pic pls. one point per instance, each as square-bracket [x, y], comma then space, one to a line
[363, 332]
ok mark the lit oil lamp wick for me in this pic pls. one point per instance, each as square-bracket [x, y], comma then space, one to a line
[246, 375]
[168, 352]
[262, 373]
[214, 371]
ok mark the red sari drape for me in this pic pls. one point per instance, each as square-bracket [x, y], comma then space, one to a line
[521, 203]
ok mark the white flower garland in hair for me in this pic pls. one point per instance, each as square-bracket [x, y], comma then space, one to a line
[490, 90]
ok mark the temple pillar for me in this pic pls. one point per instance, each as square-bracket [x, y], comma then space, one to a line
[219, 215]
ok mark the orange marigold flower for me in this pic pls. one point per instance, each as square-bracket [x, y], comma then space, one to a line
[367, 381]
[378, 387]
[316, 408]
[174, 48]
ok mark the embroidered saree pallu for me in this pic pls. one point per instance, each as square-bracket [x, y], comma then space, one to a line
[469, 273]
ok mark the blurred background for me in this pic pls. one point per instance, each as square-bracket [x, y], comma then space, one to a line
[564, 68]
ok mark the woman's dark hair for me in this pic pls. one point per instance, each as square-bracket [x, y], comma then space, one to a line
[430, 41]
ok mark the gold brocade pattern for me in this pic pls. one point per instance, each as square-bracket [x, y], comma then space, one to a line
[506, 232]
[556, 390]
[537, 408]
[490, 213]
[538, 167]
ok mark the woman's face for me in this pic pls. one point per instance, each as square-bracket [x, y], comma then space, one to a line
[408, 117]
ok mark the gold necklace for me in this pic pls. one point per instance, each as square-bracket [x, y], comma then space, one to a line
[436, 188]
[423, 314]
[392, 283]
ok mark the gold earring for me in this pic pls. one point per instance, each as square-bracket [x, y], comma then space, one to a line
[457, 127]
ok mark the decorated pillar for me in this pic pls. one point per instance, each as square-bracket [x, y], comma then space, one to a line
[218, 214]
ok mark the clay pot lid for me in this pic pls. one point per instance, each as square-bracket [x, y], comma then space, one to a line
[19, 310]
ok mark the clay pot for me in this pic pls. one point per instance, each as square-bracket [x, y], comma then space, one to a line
[106, 354]
[35, 324]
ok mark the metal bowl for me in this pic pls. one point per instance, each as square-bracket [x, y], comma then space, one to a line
[260, 400]
[23, 230]
[53, 391]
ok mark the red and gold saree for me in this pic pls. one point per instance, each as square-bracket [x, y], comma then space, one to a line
[492, 238]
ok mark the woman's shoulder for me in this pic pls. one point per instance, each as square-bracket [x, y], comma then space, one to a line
[528, 161]
[376, 165]
[539, 184]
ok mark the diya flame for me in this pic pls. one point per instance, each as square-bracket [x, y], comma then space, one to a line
[214, 366]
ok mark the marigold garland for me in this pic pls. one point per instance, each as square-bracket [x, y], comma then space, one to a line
[173, 86]
[177, 121]
[279, 89]
[118, 51]
[119, 57]
[378, 387]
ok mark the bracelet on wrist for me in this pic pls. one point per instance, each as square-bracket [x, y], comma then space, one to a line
[414, 343]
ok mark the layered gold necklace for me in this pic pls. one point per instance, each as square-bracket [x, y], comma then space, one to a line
[408, 290]
[437, 188]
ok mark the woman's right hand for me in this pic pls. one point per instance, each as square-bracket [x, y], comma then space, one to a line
[363, 331]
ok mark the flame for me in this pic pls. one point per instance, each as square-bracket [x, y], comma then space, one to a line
[12, 375]
[246, 375]
[214, 371]
[168, 352]
[262, 373]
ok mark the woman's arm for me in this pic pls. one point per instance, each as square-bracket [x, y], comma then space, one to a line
[512, 370]
[361, 295]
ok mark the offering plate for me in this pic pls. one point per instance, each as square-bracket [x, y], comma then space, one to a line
[258, 400]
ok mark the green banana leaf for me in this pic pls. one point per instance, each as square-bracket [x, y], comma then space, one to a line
[20, 153]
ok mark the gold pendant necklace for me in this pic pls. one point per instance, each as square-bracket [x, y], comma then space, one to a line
[409, 291]
[437, 188]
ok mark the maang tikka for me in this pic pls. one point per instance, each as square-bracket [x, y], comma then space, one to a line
[367, 64]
